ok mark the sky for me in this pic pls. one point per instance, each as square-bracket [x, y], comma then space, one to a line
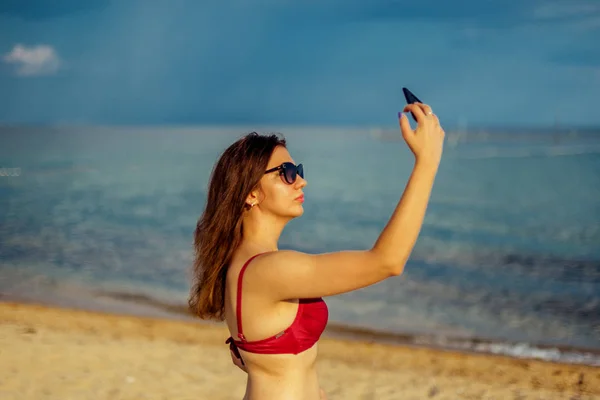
[298, 62]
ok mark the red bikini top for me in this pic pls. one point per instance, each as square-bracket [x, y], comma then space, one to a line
[302, 334]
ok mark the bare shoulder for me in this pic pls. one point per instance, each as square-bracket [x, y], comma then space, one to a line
[289, 274]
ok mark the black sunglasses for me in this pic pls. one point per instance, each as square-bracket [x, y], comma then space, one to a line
[289, 171]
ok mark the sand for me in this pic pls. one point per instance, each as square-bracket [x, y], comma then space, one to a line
[55, 353]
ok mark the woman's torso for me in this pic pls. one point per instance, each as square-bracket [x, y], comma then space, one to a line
[270, 376]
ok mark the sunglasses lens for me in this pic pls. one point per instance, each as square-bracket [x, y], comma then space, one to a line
[290, 173]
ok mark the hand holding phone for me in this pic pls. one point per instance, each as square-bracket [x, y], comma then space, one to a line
[426, 141]
[410, 99]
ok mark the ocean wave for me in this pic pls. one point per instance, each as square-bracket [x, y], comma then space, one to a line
[517, 350]
[537, 265]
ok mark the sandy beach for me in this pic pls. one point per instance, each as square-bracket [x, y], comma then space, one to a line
[55, 353]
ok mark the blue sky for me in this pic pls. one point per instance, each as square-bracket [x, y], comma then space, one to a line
[307, 62]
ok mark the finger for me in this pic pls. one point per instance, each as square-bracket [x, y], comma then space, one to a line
[426, 109]
[405, 128]
[417, 112]
[429, 113]
[433, 118]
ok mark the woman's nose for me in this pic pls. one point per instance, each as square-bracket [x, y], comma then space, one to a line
[301, 182]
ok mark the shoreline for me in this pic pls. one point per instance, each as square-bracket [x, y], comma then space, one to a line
[107, 353]
[139, 304]
[142, 305]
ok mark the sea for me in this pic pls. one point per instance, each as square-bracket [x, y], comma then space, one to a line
[507, 262]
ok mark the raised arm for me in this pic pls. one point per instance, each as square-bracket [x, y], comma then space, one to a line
[290, 274]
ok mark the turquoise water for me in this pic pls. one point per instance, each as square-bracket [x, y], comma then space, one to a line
[510, 247]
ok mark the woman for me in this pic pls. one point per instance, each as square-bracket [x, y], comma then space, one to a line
[271, 299]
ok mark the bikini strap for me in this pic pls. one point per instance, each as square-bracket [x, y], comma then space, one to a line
[238, 310]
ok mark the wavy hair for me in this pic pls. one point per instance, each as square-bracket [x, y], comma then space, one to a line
[219, 230]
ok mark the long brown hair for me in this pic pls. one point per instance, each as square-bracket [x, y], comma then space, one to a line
[219, 230]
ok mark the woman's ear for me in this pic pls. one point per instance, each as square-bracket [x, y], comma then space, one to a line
[252, 199]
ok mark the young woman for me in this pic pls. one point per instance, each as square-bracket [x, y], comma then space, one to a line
[271, 299]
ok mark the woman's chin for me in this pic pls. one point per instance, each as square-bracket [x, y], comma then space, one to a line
[297, 211]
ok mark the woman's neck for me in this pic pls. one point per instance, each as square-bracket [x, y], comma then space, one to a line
[262, 232]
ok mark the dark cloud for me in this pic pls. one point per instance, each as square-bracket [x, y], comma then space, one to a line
[43, 9]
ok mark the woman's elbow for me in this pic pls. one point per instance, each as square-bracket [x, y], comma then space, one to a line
[392, 265]
[396, 269]
[395, 265]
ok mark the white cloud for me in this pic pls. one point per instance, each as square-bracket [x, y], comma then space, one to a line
[33, 61]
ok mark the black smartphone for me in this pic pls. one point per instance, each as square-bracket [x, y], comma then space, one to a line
[410, 99]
